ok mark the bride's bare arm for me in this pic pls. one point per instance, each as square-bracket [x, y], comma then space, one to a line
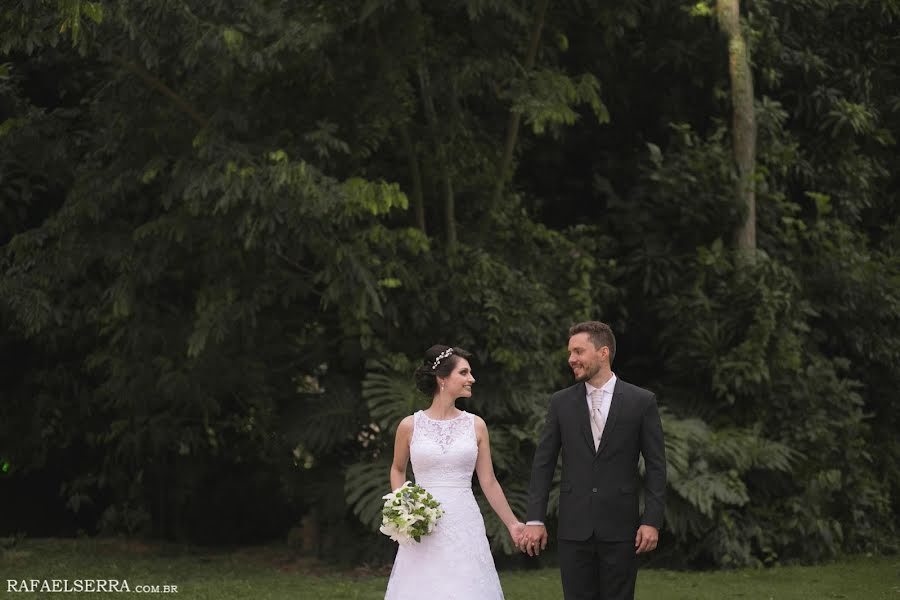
[401, 452]
[488, 481]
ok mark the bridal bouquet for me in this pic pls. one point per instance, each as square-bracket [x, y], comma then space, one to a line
[409, 513]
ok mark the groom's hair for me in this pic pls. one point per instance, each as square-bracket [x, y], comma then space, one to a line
[599, 333]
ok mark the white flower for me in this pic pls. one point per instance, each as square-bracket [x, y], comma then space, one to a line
[409, 512]
[394, 533]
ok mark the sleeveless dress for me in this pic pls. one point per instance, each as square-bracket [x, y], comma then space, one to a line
[454, 562]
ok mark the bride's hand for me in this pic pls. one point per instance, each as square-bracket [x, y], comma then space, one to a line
[516, 531]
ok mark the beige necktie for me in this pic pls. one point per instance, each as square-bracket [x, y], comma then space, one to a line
[596, 416]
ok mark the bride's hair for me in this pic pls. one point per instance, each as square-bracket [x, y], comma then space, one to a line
[439, 361]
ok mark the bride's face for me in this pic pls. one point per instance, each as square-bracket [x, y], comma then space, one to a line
[458, 384]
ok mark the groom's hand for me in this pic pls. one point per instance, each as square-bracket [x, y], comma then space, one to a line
[646, 539]
[534, 539]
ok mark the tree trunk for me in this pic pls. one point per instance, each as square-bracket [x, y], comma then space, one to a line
[416, 175]
[450, 212]
[442, 159]
[512, 127]
[743, 123]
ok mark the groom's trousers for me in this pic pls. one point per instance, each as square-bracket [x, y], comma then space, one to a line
[595, 570]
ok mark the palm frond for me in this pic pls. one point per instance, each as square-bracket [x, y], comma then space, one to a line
[327, 419]
[389, 392]
[364, 485]
[705, 490]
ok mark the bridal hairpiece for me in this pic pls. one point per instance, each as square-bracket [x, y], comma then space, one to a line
[441, 357]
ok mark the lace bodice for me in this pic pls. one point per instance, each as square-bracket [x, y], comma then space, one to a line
[443, 453]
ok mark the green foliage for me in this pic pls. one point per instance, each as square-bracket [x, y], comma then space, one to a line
[548, 98]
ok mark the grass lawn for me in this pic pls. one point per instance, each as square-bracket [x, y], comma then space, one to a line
[272, 573]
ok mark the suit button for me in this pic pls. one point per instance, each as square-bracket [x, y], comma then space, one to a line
[594, 490]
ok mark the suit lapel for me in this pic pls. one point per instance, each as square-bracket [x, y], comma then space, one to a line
[615, 408]
[584, 415]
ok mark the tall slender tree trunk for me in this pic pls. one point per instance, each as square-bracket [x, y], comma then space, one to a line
[442, 158]
[743, 121]
[415, 173]
[450, 211]
[512, 126]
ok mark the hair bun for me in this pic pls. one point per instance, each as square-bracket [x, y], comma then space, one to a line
[425, 381]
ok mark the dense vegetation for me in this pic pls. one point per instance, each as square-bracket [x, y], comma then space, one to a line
[229, 229]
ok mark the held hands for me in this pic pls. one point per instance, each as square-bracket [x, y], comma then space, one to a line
[515, 532]
[533, 539]
[646, 539]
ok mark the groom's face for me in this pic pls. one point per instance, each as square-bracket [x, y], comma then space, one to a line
[585, 359]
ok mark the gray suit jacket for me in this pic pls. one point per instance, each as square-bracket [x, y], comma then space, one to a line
[599, 490]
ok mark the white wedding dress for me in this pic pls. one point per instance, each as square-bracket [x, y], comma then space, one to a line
[454, 562]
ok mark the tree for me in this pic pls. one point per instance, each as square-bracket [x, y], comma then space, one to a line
[743, 129]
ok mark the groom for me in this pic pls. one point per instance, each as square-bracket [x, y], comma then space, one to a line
[602, 425]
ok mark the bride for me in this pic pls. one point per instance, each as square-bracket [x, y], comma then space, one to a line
[445, 445]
